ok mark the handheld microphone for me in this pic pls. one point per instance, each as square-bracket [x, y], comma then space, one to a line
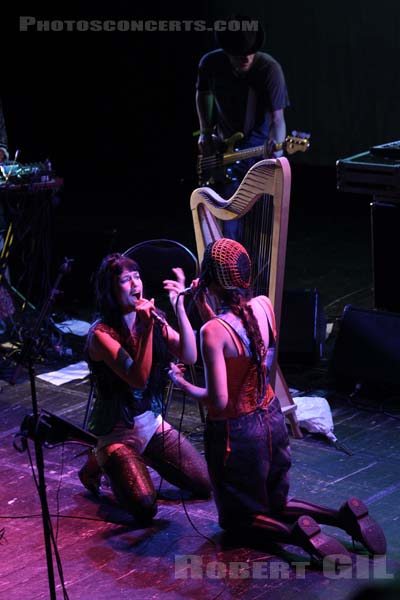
[186, 291]
[194, 291]
[157, 317]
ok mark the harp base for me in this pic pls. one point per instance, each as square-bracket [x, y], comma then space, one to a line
[287, 404]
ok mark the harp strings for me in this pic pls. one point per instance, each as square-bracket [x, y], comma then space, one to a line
[257, 236]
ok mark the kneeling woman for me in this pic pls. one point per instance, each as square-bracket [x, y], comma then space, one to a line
[128, 349]
[246, 439]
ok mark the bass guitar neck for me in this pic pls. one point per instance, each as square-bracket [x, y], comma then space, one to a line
[211, 169]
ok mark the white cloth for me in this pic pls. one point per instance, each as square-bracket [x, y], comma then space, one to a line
[73, 326]
[138, 437]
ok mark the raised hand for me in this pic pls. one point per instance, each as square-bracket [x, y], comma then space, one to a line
[206, 144]
[175, 286]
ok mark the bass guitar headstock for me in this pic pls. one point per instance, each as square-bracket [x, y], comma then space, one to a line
[298, 141]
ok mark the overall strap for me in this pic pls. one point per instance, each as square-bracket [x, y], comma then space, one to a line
[234, 335]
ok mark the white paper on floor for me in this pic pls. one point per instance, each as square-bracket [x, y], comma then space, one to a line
[78, 370]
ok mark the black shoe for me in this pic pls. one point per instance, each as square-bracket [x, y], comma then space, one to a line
[308, 535]
[361, 526]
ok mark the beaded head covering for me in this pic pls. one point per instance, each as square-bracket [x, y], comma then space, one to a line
[228, 263]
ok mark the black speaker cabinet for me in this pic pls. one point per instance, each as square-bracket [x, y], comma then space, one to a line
[385, 222]
[367, 348]
[303, 325]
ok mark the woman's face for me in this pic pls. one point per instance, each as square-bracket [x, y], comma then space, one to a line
[128, 289]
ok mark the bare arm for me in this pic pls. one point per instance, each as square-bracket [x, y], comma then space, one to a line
[277, 132]
[183, 343]
[3, 137]
[212, 348]
[215, 394]
[134, 371]
[204, 106]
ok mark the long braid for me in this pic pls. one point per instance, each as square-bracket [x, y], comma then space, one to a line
[253, 331]
[237, 302]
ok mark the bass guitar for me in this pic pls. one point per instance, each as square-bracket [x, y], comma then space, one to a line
[212, 169]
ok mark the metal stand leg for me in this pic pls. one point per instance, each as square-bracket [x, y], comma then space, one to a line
[89, 405]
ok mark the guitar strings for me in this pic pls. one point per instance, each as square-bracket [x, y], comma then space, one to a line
[299, 142]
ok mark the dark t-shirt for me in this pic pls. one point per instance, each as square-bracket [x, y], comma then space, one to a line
[231, 93]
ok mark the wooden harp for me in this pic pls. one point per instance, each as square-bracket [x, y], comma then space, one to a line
[271, 177]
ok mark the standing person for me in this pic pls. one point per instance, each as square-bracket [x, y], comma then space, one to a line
[240, 89]
[246, 439]
[128, 349]
[3, 136]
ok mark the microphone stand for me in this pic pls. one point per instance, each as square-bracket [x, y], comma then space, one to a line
[26, 358]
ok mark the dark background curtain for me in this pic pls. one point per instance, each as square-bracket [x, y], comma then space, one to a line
[115, 112]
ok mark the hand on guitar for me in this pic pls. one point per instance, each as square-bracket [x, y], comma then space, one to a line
[206, 144]
[271, 149]
[211, 167]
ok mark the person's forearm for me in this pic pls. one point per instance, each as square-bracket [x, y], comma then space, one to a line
[216, 405]
[3, 131]
[277, 130]
[196, 392]
[3, 154]
[204, 105]
[139, 370]
[187, 338]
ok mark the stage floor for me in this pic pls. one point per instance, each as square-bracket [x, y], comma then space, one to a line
[184, 555]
